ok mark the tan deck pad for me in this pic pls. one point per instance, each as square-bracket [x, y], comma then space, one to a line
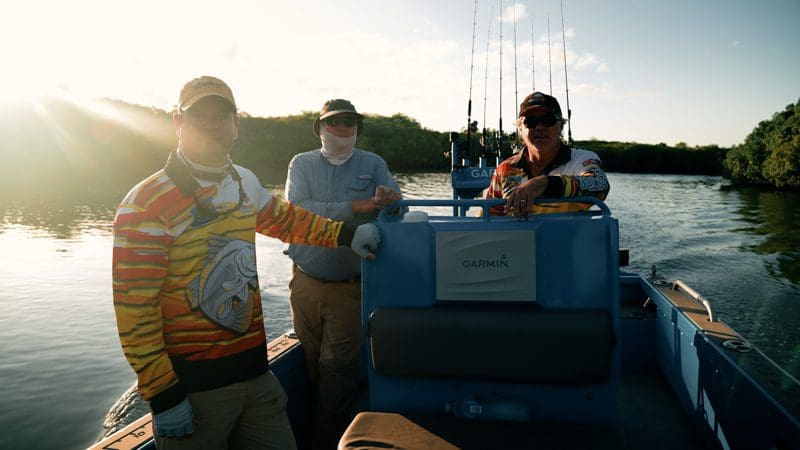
[377, 430]
[719, 331]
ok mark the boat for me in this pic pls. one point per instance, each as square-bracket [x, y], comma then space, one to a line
[496, 333]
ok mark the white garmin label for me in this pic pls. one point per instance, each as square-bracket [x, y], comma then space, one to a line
[480, 266]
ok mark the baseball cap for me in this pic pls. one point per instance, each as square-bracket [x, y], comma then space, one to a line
[336, 106]
[200, 88]
[539, 102]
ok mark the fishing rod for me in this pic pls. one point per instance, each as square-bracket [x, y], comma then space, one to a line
[486, 79]
[533, 58]
[515, 135]
[566, 81]
[549, 58]
[516, 85]
[500, 136]
[471, 68]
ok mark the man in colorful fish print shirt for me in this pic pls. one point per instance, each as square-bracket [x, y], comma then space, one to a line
[340, 182]
[186, 291]
[546, 166]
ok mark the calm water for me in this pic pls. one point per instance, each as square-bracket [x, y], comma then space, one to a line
[61, 366]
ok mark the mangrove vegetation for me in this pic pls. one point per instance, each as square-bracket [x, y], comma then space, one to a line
[57, 146]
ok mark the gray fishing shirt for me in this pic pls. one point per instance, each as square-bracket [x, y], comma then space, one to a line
[329, 190]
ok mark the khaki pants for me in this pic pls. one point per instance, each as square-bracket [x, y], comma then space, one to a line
[246, 415]
[327, 320]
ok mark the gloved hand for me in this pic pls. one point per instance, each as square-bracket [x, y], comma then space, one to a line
[175, 422]
[366, 238]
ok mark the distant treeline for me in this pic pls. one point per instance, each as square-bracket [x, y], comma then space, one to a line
[770, 154]
[58, 147]
[266, 145]
[659, 158]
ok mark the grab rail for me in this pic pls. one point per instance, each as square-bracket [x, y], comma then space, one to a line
[678, 284]
[484, 204]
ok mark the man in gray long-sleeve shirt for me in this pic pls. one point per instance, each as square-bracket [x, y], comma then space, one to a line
[340, 182]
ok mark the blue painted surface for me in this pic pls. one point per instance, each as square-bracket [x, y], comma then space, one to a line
[290, 369]
[576, 268]
[726, 403]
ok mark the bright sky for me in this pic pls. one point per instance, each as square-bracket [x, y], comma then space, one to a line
[696, 71]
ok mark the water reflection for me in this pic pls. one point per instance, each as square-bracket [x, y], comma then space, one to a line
[774, 216]
[769, 215]
[64, 217]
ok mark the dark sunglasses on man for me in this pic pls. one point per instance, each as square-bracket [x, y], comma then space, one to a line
[547, 121]
[341, 121]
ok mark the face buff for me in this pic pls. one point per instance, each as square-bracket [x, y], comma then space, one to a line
[215, 174]
[337, 150]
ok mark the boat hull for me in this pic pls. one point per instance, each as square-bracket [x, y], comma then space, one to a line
[494, 360]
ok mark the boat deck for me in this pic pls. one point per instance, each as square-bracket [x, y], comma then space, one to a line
[651, 419]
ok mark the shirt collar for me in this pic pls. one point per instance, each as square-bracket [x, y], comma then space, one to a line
[563, 157]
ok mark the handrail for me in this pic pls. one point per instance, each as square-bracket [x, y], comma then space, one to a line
[678, 284]
[485, 204]
[385, 215]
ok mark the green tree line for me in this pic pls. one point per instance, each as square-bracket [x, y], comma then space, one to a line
[770, 154]
[57, 146]
[266, 145]
[657, 158]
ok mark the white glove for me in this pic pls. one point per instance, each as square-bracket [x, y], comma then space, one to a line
[365, 238]
[175, 422]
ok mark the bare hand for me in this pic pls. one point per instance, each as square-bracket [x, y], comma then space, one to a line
[523, 196]
[384, 196]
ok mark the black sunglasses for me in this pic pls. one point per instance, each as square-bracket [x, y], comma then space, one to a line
[343, 121]
[547, 121]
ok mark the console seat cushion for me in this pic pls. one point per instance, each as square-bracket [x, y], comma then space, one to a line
[528, 345]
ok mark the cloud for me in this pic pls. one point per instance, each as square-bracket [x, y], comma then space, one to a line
[585, 61]
[379, 73]
[509, 15]
[736, 43]
[231, 52]
[588, 61]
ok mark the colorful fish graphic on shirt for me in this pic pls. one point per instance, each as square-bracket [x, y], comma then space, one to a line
[223, 288]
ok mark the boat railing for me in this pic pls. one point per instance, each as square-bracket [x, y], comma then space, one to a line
[386, 215]
[680, 285]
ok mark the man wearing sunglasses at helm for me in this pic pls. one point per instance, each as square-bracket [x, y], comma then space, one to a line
[340, 182]
[546, 166]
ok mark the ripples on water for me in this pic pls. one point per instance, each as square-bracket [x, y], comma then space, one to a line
[738, 248]
[62, 367]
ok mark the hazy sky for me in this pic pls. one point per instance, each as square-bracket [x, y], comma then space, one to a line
[697, 71]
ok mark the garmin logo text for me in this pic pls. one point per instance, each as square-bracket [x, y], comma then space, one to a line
[481, 173]
[485, 263]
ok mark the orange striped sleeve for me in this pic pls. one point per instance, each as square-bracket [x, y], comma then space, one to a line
[295, 225]
[139, 267]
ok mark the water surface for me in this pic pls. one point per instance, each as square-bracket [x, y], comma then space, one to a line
[62, 368]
